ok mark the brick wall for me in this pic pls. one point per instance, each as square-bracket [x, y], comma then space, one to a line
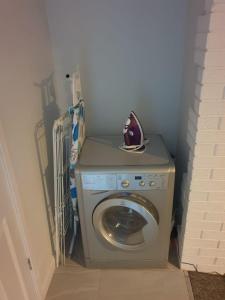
[202, 234]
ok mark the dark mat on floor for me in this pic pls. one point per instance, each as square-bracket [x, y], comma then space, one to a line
[207, 286]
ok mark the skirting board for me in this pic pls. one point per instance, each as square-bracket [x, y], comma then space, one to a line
[48, 278]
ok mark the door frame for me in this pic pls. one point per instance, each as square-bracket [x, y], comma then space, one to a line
[15, 200]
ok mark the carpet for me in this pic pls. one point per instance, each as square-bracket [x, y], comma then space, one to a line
[207, 286]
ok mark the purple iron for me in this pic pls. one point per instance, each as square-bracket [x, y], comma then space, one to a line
[134, 140]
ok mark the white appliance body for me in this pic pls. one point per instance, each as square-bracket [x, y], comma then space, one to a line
[125, 203]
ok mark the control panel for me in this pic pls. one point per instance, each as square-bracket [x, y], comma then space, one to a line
[141, 181]
[124, 181]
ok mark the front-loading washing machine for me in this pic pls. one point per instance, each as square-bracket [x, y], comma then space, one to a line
[125, 203]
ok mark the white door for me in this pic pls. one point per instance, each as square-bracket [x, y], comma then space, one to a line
[15, 267]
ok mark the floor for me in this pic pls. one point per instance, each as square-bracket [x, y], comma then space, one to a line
[76, 282]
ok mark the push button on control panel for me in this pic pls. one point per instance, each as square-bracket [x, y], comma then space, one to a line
[142, 183]
[151, 183]
[125, 183]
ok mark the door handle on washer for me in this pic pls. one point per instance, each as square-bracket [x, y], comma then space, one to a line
[99, 192]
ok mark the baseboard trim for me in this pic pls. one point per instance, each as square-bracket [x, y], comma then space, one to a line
[48, 278]
[189, 287]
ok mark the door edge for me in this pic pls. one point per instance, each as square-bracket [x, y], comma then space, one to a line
[11, 185]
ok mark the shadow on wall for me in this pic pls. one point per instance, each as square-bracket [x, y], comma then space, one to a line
[43, 141]
[192, 77]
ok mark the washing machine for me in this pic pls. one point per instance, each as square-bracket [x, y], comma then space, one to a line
[125, 203]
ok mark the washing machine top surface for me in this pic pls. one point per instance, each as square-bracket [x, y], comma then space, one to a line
[104, 152]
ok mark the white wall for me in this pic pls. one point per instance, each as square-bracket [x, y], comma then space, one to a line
[194, 9]
[130, 53]
[25, 61]
[202, 231]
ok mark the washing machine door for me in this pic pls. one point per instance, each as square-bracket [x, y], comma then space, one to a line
[127, 221]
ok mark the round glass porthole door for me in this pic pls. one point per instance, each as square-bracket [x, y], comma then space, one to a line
[128, 221]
